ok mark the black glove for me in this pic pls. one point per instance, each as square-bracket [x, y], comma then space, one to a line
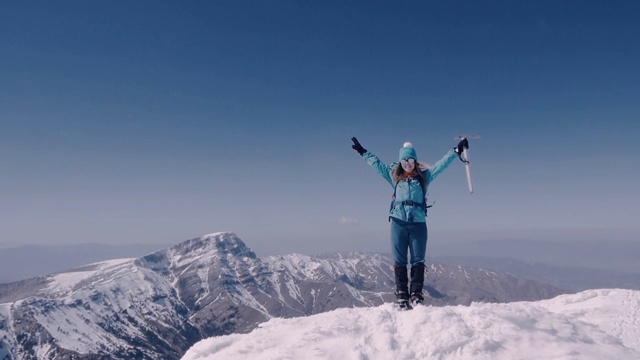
[357, 147]
[463, 144]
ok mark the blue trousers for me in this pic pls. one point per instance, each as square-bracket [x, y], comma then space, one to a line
[411, 236]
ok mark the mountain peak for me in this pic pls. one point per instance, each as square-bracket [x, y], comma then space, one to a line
[220, 243]
[214, 245]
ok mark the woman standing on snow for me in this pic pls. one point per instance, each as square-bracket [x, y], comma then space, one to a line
[410, 180]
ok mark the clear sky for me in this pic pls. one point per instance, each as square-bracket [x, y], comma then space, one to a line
[157, 121]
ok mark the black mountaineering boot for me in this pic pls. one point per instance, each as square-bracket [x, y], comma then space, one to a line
[417, 283]
[417, 299]
[402, 293]
[403, 301]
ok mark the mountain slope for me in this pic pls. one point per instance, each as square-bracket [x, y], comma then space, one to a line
[110, 308]
[47, 259]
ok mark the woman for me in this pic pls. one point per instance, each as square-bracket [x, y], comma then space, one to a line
[410, 180]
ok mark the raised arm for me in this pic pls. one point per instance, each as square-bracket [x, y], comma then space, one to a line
[382, 169]
[442, 164]
[447, 160]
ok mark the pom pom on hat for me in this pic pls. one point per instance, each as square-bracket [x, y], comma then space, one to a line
[407, 152]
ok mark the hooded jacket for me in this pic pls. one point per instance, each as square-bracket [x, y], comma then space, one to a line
[409, 189]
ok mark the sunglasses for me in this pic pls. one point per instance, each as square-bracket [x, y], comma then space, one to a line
[408, 161]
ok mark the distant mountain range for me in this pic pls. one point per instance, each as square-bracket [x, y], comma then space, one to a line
[570, 278]
[605, 254]
[157, 306]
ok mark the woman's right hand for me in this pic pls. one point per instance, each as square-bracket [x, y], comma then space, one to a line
[357, 147]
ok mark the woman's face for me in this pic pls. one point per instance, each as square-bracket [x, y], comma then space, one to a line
[408, 164]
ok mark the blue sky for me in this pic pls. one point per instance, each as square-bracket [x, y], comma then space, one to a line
[139, 122]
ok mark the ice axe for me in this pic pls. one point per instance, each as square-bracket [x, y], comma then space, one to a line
[464, 156]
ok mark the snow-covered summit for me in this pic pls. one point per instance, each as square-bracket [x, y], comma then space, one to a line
[221, 242]
[595, 324]
[201, 252]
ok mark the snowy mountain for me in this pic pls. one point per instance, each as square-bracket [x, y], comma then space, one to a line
[595, 324]
[158, 305]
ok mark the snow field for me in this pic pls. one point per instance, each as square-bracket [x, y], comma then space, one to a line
[595, 324]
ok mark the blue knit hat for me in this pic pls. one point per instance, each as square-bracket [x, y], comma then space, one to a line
[407, 151]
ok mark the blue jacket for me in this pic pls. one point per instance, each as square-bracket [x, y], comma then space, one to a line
[409, 189]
